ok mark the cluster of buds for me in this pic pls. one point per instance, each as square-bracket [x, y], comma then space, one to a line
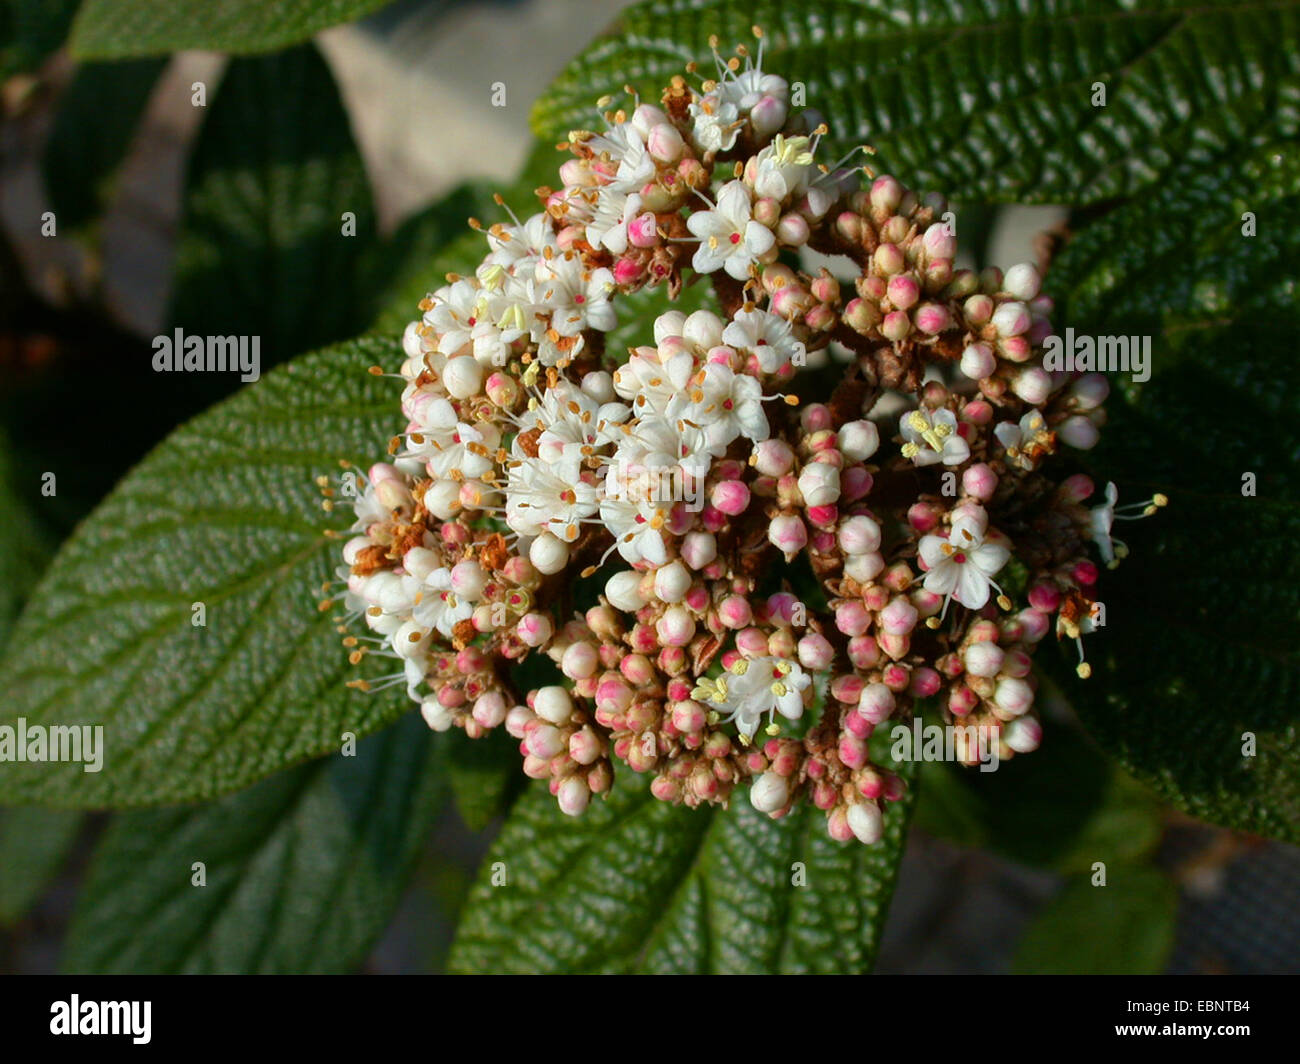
[649, 519]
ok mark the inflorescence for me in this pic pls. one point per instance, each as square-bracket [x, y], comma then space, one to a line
[922, 498]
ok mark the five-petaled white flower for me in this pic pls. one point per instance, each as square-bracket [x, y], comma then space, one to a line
[550, 497]
[784, 168]
[766, 336]
[730, 238]
[725, 404]
[752, 689]
[1027, 442]
[961, 566]
[932, 436]
[439, 607]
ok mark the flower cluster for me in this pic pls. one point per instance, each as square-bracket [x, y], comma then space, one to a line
[733, 587]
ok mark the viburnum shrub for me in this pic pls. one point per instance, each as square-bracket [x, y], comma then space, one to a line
[846, 489]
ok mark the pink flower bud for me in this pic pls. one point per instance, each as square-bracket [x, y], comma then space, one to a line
[545, 741]
[899, 617]
[490, 709]
[1033, 384]
[983, 659]
[752, 642]
[876, 703]
[896, 325]
[792, 230]
[627, 270]
[769, 792]
[1011, 319]
[815, 652]
[584, 746]
[859, 535]
[980, 481]
[664, 143]
[837, 825]
[534, 629]
[1089, 391]
[978, 361]
[1023, 735]
[939, 242]
[573, 796]
[886, 194]
[933, 318]
[676, 627]
[979, 311]
[903, 291]
[1022, 281]
[852, 618]
[788, 534]
[502, 390]
[772, 458]
[1013, 696]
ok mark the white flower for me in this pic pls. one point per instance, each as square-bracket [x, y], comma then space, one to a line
[513, 245]
[446, 444]
[766, 336]
[962, 566]
[1027, 442]
[454, 314]
[568, 417]
[636, 526]
[550, 497]
[650, 385]
[577, 298]
[730, 239]
[725, 404]
[623, 146]
[716, 123]
[931, 436]
[754, 688]
[615, 211]
[784, 169]
[718, 114]
[675, 449]
[439, 607]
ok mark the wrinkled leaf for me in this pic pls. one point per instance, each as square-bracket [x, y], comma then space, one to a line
[985, 99]
[263, 250]
[225, 512]
[637, 885]
[301, 873]
[111, 29]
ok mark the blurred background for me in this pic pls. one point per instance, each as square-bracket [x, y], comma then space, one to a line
[415, 80]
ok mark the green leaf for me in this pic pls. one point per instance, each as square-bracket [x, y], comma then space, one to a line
[262, 249]
[485, 776]
[33, 845]
[22, 550]
[113, 29]
[984, 99]
[89, 140]
[637, 885]
[1061, 808]
[30, 30]
[1123, 928]
[224, 512]
[1196, 662]
[302, 872]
